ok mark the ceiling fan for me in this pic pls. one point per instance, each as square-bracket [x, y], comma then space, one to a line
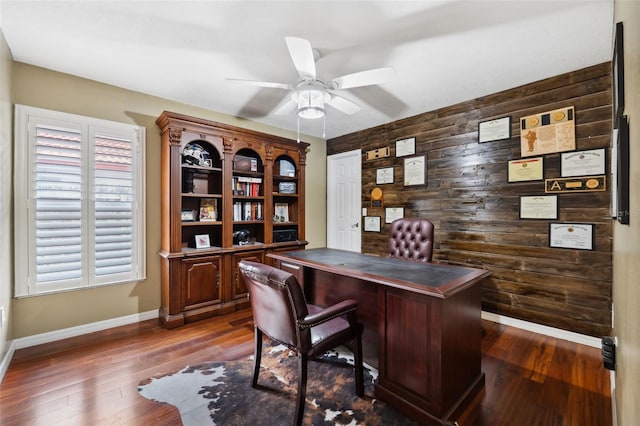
[310, 95]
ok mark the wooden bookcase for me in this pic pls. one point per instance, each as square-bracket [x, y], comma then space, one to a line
[241, 196]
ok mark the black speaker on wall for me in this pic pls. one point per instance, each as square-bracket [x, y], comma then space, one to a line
[609, 353]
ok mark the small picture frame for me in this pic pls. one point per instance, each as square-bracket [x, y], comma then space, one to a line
[188, 215]
[372, 224]
[576, 236]
[287, 187]
[202, 241]
[405, 147]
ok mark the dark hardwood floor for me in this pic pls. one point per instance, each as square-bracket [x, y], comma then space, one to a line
[92, 379]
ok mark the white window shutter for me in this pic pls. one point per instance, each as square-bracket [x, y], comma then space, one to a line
[57, 180]
[114, 187]
[79, 202]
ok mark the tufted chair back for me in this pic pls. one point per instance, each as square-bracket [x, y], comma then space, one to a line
[411, 239]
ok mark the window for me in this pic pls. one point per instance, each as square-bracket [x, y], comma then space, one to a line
[79, 202]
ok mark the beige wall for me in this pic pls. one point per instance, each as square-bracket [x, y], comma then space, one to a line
[626, 238]
[6, 203]
[62, 92]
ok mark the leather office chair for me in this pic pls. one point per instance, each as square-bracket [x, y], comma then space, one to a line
[411, 239]
[281, 312]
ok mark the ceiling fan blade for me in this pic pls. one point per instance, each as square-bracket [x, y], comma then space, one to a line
[302, 56]
[343, 104]
[285, 109]
[260, 83]
[363, 78]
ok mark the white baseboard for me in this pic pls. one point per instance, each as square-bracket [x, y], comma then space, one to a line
[38, 339]
[52, 336]
[544, 330]
[6, 359]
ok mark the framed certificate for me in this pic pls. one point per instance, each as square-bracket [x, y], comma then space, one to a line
[526, 169]
[578, 236]
[494, 130]
[405, 147]
[372, 223]
[384, 175]
[583, 163]
[539, 207]
[415, 171]
[393, 213]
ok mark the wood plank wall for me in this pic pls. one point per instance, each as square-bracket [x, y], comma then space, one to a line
[476, 212]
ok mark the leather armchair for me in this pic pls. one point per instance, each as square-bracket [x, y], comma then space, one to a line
[282, 314]
[411, 239]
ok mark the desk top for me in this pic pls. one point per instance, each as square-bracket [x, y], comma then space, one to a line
[434, 279]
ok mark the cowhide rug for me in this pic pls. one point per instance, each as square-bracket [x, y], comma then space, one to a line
[220, 393]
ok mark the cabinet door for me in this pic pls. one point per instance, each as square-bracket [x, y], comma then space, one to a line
[201, 281]
[239, 289]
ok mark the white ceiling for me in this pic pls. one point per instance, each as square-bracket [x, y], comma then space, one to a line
[443, 52]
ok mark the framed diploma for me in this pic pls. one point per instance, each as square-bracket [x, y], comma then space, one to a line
[494, 130]
[582, 163]
[393, 213]
[526, 169]
[539, 207]
[372, 223]
[578, 236]
[405, 147]
[384, 175]
[415, 171]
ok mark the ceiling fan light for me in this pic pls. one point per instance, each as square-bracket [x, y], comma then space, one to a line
[311, 104]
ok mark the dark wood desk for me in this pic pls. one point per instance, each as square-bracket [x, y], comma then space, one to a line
[422, 325]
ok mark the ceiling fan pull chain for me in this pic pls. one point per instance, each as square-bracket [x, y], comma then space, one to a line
[298, 127]
[324, 124]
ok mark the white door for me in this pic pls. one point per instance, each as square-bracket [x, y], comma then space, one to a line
[344, 200]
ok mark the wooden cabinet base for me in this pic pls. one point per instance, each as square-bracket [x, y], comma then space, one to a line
[170, 321]
[182, 318]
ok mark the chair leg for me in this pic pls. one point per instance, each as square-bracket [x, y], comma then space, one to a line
[302, 388]
[359, 369]
[257, 356]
